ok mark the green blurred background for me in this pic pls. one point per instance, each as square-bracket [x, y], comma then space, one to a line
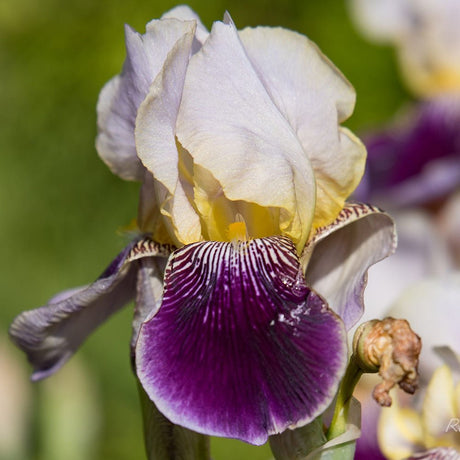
[61, 208]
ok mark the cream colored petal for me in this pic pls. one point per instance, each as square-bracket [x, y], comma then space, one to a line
[231, 127]
[400, 431]
[439, 406]
[314, 97]
[157, 147]
[338, 256]
[216, 210]
[429, 53]
[426, 35]
[457, 401]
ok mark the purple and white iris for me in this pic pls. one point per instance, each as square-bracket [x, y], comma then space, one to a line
[416, 160]
[250, 266]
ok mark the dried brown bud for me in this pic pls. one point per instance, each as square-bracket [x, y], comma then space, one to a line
[391, 348]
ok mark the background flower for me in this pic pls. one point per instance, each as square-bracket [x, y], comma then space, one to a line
[425, 34]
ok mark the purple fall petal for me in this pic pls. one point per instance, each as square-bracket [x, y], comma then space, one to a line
[417, 161]
[240, 347]
[49, 335]
[367, 446]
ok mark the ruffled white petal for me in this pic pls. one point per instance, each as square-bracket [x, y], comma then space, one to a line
[314, 97]
[185, 13]
[231, 127]
[341, 254]
[157, 146]
[121, 97]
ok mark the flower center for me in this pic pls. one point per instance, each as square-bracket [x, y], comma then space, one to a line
[237, 231]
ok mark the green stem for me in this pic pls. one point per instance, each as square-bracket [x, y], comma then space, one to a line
[342, 406]
[166, 441]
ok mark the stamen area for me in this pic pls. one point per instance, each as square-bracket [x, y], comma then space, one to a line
[237, 231]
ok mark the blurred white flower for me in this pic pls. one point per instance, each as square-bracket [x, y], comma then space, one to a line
[426, 35]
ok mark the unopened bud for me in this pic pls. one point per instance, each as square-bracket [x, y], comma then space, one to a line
[391, 348]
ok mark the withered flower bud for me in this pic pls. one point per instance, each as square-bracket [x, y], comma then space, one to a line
[391, 348]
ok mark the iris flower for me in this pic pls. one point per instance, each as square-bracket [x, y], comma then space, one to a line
[426, 36]
[416, 160]
[249, 266]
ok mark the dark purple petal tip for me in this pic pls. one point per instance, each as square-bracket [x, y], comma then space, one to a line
[240, 347]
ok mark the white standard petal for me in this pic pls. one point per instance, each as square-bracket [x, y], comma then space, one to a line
[185, 13]
[231, 127]
[121, 96]
[314, 97]
[158, 149]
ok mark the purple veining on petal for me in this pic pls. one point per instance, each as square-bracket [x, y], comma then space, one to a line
[422, 153]
[49, 335]
[240, 347]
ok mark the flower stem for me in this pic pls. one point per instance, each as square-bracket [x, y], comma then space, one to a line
[166, 441]
[342, 406]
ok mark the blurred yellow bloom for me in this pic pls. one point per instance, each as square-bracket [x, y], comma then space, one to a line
[403, 431]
